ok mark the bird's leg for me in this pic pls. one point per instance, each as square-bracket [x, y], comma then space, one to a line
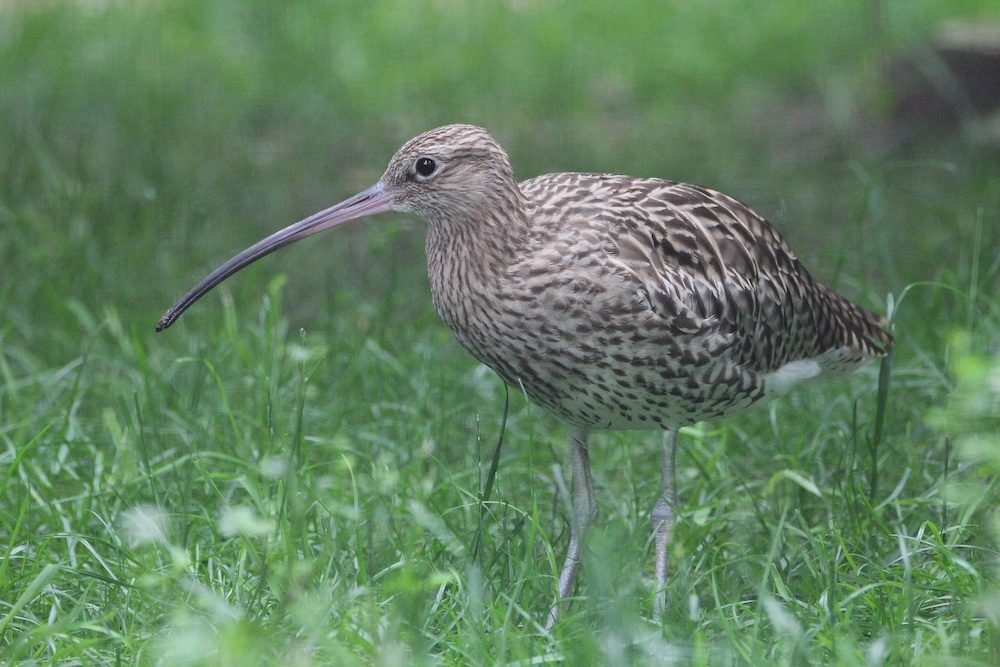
[662, 519]
[584, 511]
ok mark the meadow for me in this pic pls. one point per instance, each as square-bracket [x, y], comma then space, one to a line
[296, 473]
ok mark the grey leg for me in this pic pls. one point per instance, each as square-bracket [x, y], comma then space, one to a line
[584, 511]
[662, 519]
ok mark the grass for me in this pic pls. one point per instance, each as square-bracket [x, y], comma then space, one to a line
[294, 473]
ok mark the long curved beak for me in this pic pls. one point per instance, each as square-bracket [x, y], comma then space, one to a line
[376, 199]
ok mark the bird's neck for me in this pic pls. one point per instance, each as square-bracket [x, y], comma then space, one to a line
[468, 254]
[486, 235]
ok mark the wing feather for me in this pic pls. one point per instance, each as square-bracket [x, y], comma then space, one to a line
[710, 268]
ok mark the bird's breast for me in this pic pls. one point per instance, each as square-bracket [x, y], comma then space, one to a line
[583, 343]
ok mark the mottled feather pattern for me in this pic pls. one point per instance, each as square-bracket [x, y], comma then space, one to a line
[620, 302]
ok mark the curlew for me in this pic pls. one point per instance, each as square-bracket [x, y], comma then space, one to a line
[614, 302]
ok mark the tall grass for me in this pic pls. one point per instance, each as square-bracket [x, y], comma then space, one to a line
[301, 470]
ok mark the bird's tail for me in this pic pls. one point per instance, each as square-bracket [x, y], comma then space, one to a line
[855, 327]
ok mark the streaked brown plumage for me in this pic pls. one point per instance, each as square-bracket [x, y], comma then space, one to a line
[614, 302]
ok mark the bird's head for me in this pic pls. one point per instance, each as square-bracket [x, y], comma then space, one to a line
[446, 173]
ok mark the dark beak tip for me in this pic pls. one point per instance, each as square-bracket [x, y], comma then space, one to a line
[366, 203]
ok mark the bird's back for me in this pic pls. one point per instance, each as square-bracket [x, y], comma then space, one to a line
[698, 287]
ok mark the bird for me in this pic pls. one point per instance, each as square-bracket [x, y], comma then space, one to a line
[613, 302]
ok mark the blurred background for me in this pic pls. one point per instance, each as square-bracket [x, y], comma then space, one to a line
[154, 138]
[142, 143]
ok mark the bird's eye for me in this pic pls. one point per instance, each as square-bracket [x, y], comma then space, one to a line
[425, 166]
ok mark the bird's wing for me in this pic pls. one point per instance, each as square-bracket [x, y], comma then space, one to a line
[711, 268]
